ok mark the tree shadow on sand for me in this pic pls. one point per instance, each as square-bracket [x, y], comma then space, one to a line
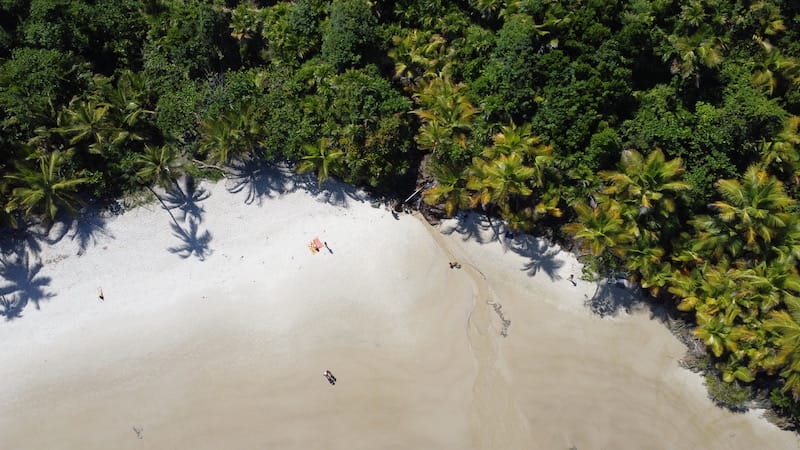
[332, 192]
[85, 228]
[542, 256]
[187, 200]
[258, 180]
[21, 284]
[616, 294]
[193, 241]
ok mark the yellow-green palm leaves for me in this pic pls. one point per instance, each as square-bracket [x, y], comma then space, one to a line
[755, 207]
[651, 182]
[44, 189]
[786, 325]
[600, 229]
[160, 166]
[321, 158]
[450, 189]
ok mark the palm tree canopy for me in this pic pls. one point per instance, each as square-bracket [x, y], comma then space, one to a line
[44, 190]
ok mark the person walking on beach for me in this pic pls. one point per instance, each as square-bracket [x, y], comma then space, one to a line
[572, 279]
[329, 376]
[100, 294]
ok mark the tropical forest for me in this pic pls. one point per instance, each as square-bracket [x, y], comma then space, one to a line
[658, 139]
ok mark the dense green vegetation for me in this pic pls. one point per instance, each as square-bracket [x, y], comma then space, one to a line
[661, 135]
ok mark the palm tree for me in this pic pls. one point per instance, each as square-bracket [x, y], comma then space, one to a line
[419, 54]
[160, 166]
[776, 71]
[321, 159]
[449, 188]
[44, 189]
[781, 153]
[521, 140]
[443, 103]
[785, 324]
[230, 136]
[128, 99]
[755, 208]
[652, 183]
[86, 121]
[688, 53]
[600, 229]
[498, 180]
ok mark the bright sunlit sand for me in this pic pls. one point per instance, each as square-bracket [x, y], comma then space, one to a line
[214, 333]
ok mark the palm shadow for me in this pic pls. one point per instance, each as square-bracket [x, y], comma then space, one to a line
[193, 242]
[471, 226]
[330, 191]
[187, 200]
[85, 228]
[542, 256]
[615, 295]
[22, 284]
[258, 180]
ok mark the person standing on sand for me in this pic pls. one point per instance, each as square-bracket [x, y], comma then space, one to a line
[100, 294]
[329, 376]
[572, 279]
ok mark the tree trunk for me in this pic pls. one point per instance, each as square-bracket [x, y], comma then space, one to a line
[164, 205]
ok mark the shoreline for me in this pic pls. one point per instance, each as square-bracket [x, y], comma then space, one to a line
[218, 333]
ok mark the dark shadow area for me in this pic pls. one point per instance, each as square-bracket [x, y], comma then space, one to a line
[21, 284]
[616, 294]
[258, 180]
[17, 241]
[480, 228]
[84, 229]
[332, 192]
[193, 242]
[187, 200]
[541, 255]
[472, 226]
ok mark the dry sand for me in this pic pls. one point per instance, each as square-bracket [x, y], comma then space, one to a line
[215, 335]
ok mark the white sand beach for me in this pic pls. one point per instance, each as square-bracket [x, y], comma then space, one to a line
[215, 335]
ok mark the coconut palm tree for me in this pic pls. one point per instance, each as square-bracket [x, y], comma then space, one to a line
[235, 134]
[44, 189]
[322, 159]
[443, 103]
[419, 54]
[755, 207]
[769, 283]
[600, 229]
[160, 166]
[449, 188]
[776, 72]
[499, 180]
[785, 324]
[653, 184]
[688, 53]
[87, 122]
[780, 154]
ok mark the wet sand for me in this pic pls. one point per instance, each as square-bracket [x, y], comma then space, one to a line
[223, 345]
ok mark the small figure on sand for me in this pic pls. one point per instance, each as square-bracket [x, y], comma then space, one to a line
[572, 279]
[329, 376]
[455, 265]
[326, 246]
[100, 294]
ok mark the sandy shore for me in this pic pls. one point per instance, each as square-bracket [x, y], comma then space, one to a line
[213, 333]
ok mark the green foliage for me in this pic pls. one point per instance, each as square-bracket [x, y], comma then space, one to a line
[186, 40]
[732, 395]
[348, 32]
[34, 83]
